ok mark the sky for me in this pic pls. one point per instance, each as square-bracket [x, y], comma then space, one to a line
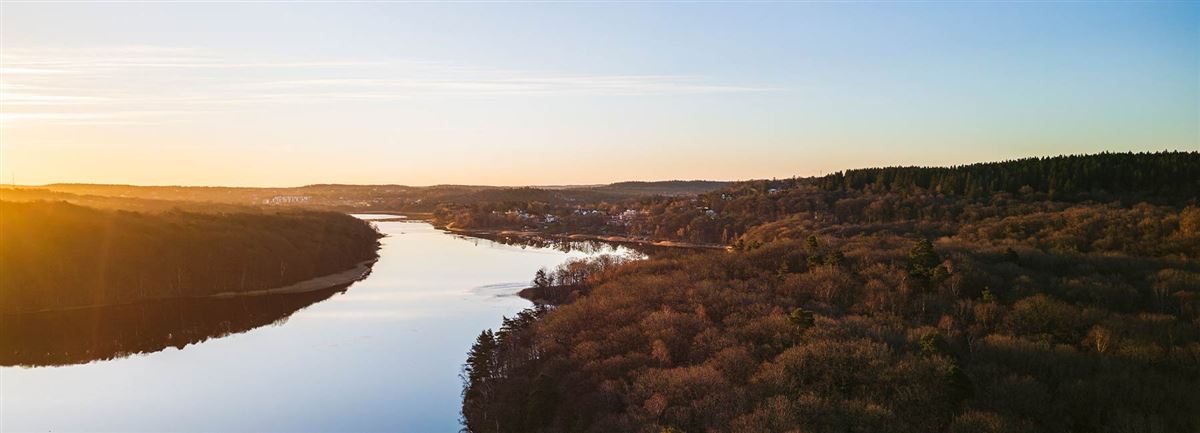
[284, 94]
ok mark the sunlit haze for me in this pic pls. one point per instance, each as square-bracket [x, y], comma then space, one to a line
[281, 94]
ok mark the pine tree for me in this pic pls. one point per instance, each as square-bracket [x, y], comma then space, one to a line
[922, 258]
[801, 318]
[542, 279]
[480, 361]
[478, 376]
[924, 266]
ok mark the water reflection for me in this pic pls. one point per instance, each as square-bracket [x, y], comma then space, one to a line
[585, 246]
[382, 357]
[91, 334]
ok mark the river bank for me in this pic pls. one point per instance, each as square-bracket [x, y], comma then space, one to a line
[581, 237]
[390, 348]
[357, 273]
[550, 295]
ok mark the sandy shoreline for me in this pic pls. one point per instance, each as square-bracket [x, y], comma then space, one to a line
[358, 272]
[348, 276]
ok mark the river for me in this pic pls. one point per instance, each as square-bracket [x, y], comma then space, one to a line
[382, 354]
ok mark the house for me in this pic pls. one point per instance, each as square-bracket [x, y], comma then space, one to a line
[287, 199]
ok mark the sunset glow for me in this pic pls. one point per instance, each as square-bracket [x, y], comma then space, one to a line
[584, 93]
[599, 216]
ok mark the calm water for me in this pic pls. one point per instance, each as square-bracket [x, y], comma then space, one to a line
[380, 355]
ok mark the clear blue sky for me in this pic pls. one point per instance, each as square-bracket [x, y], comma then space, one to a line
[287, 94]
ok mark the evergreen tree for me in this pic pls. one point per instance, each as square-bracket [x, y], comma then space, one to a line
[924, 266]
[543, 278]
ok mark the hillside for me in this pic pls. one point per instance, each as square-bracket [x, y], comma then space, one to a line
[665, 188]
[370, 198]
[1169, 176]
[879, 300]
[57, 255]
[924, 199]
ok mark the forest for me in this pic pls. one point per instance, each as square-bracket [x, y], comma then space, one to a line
[356, 198]
[874, 197]
[1035, 295]
[58, 255]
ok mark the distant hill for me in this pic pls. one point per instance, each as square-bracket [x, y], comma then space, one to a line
[1161, 175]
[570, 194]
[666, 187]
[373, 197]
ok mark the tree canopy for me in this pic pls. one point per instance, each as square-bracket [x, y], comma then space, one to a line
[1036, 295]
[57, 255]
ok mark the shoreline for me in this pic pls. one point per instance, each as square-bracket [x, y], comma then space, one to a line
[355, 274]
[352, 275]
[550, 295]
[583, 237]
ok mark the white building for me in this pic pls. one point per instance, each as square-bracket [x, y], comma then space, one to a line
[287, 199]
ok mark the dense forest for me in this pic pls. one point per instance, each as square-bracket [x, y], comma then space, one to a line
[1037, 295]
[876, 197]
[1164, 176]
[56, 255]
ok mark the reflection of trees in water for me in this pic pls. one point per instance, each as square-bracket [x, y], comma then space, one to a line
[586, 246]
[92, 334]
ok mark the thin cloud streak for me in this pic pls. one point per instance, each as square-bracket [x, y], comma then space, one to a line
[8, 120]
[37, 99]
[159, 80]
[523, 86]
[29, 71]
